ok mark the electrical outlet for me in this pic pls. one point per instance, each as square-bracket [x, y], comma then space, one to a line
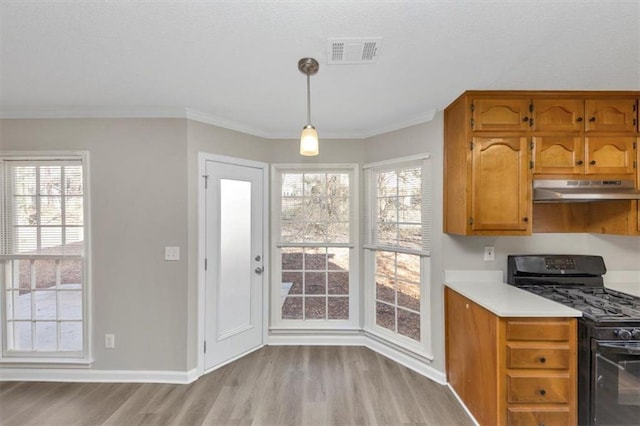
[110, 341]
[489, 253]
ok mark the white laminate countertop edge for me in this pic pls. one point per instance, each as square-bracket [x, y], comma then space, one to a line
[505, 300]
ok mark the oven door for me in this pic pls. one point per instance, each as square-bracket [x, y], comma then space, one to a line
[615, 384]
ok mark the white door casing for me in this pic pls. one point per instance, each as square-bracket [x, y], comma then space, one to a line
[233, 251]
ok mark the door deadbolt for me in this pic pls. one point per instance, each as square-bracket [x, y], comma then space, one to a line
[259, 270]
[258, 258]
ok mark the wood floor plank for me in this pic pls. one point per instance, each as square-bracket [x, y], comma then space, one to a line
[277, 385]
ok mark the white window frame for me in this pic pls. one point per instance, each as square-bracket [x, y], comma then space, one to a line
[370, 248]
[353, 323]
[84, 356]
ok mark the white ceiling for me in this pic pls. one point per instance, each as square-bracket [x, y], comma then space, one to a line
[234, 63]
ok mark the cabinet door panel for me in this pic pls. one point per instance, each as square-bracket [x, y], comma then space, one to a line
[610, 115]
[558, 155]
[558, 115]
[501, 185]
[500, 114]
[609, 155]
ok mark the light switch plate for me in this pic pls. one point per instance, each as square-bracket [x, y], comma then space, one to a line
[172, 253]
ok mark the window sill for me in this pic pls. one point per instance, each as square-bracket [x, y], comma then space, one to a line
[46, 362]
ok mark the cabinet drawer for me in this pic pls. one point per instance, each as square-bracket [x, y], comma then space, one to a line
[538, 389]
[547, 357]
[538, 330]
[536, 417]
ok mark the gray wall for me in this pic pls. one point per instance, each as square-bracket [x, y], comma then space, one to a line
[149, 304]
[138, 206]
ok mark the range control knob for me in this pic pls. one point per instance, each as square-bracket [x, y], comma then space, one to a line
[623, 334]
[636, 333]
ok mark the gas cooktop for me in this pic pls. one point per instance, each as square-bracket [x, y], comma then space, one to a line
[575, 281]
[596, 303]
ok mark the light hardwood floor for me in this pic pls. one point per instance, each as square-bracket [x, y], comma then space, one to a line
[276, 385]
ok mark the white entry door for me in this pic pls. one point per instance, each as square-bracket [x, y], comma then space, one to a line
[234, 261]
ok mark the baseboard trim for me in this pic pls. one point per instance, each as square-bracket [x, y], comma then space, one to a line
[103, 376]
[466, 410]
[406, 360]
[307, 338]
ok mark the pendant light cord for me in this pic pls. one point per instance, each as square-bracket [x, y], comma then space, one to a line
[308, 99]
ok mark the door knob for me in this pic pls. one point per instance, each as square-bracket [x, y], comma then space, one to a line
[259, 270]
[258, 258]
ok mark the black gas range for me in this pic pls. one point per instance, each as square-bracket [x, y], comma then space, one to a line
[608, 332]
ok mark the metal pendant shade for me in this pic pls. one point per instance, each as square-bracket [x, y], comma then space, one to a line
[309, 137]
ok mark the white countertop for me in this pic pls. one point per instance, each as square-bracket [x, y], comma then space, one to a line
[487, 289]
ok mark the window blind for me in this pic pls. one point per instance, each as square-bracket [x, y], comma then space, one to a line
[42, 211]
[397, 214]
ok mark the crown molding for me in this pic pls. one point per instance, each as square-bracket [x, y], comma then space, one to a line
[94, 113]
[202, 117]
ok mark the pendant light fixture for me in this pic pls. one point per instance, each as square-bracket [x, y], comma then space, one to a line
[309, 137]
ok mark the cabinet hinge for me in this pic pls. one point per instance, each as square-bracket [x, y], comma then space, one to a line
[472, 123]
[470, 146]
[531, 122]
[206, 181]
[634, 145]
[205, 264]
[635, 164]
[473, 107]
[531, 164]
[634, 107]
[205, 346]
[531, 145]
[531, 107]
[470, 221]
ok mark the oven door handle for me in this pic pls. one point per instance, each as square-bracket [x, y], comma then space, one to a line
[620, 348]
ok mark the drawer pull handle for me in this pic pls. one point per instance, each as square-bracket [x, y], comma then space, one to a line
[543, 392]
[543, 359]
[592, 162]
[579, 162]
[592, 119]
[579, 119]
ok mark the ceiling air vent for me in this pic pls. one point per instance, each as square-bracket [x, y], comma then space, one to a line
[353, 50]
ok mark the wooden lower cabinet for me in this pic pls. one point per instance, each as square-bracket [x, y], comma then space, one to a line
[525, 416]
[511, 371]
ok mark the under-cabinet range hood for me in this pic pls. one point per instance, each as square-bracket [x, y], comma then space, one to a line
[545, 190]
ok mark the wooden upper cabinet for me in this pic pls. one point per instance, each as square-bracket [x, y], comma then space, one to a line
[500, 198]
[504, 115]
[558, 115]
[611, 115]
[609, 155]
[558, 155]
